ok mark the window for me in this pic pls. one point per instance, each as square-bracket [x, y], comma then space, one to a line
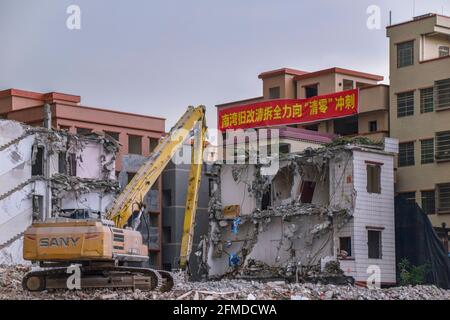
[443, 197]
[347, 84]
[408, 196]
[444, 51]
[37, 167]
[405, 104]
[345, 247]
[427, 151]
[311, 91]
[426, 100]
[211, 187]
[83, 131]
[373, 126]
[374, 244]
[428, 202]
[266, 200]
[346, 126]
[38, 206]
[114, 135]
[406, 154]
[405, 54]
[373, 178]
[134, 144]
[72, 161]
[274, 93]
[153, 143]
[443, 145]
[62, 158]
[442, 94]
[307, 192]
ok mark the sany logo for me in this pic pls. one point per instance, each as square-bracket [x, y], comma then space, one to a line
[58, 242]
[74, 280]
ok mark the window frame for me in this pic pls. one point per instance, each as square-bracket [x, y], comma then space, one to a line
[132, 136]
[427, 158]
[442, 94]
[402, 55]
[350, 252]
[277, 94]
[373, 172]
[442, 149]
[379, 256]
[403, 107]
[440, 208]
[408, 162]
[426, 99]
[423, 203]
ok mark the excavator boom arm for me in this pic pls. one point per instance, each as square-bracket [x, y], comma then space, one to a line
[131, 198]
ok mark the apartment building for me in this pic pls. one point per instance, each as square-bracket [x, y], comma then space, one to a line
[372, 119]
[137, 134]
[420, 112]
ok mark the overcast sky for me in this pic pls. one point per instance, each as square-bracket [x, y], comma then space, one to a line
[158, 57]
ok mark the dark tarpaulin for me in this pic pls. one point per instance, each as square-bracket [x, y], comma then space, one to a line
[416, 240]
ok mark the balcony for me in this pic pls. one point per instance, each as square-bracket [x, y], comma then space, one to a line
[374, 98]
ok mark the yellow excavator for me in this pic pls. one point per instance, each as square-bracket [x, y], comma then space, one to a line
[107, 252]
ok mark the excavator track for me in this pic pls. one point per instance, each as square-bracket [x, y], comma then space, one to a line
[101, 277]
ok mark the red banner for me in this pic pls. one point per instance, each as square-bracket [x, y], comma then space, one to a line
[289, 111]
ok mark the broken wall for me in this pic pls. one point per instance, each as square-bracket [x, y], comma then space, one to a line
[298, 232]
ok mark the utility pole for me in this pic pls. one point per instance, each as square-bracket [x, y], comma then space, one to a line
[47, 175]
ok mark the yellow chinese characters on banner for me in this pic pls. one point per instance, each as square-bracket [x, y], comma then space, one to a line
[288, 111]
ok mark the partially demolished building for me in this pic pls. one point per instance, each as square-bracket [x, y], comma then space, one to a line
[334, 203]
[46, 173]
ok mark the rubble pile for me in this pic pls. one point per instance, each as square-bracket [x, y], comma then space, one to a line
[11, 288]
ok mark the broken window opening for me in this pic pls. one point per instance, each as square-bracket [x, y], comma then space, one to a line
[266, 200]
[282, 185]
[72, 161]
[346, 126]
[37, 168]
[345, 247]
[62, 162]
[374, 244]
[38, 206]
[373, 178]
[307, 191]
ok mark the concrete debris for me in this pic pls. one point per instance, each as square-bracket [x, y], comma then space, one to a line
[11, 288]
